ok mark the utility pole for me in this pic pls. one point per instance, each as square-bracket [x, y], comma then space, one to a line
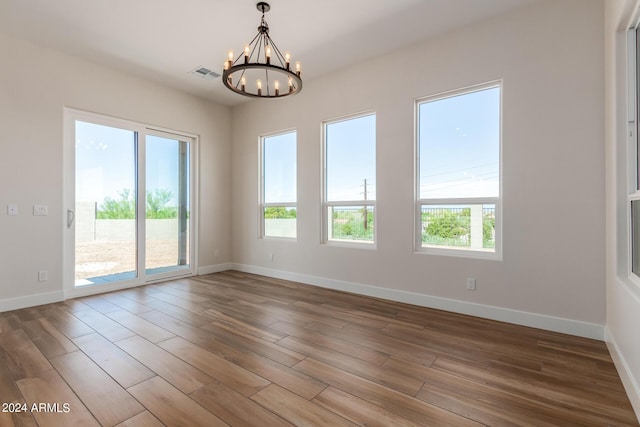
[366, 213]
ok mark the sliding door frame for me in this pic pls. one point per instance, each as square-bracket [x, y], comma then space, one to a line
[72, 115]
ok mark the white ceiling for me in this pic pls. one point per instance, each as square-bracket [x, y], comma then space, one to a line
[163, 40]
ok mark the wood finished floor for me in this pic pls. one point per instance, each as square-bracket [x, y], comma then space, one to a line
[244, 350]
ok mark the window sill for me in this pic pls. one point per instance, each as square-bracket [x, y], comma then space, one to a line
[350, 244]
[279, 238]
[460, 253]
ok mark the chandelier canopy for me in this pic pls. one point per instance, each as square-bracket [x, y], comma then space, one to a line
[262, 71]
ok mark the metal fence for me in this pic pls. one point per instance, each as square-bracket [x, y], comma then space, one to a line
[352, 222]
[451, 226]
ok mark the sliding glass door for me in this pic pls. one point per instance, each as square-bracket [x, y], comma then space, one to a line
[105, 207]
[167, 204]
[129, 199]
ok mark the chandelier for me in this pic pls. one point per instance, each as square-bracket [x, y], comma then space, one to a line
[262, 71]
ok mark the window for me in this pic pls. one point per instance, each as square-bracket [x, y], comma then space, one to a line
[350, 179]
[279, 191]
[458, 182]
[633, 185]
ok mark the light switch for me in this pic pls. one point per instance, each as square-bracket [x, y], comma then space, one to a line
[40, 210]
[12, 209]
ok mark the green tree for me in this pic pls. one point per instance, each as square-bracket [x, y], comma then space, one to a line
[450, 225]
[488, 225]
[279, 212]
[349, 224]
[121, 208]
[124, 207]
[156, 204]
[447, 227]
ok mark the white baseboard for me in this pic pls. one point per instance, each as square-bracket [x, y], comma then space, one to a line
[216, 268]
[534, 320]
[541, 321]
[630, 383]
[30, 300]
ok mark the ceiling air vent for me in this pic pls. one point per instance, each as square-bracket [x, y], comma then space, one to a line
[205, 73]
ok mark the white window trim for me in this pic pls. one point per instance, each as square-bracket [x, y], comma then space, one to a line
[326, 204]
[495, 255]
[261, 196]
[632, 188]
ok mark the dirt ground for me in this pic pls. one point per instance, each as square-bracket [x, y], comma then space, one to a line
[100, 258]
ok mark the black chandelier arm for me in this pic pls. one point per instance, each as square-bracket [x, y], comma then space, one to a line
[240, 58]
[254, 45]
[278, 54]
[240, 79]
[264, 41]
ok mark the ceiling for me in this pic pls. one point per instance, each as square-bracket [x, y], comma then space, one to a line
[164, 40]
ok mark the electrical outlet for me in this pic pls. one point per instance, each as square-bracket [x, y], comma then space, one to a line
[471, 284]
[43, 276]
[12, 209]
[271, 257]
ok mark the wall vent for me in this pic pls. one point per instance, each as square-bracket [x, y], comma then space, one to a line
[205, 73]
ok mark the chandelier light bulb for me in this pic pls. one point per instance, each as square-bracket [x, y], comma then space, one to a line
[267, 53]
[229, 63]
[287, 58]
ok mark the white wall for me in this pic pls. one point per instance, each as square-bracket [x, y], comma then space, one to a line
[623, 296]
[35, 84]
[550, 56]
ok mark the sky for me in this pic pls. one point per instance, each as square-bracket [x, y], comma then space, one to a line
[279, 168]
[459, 145]
[105, 162]
[351, 158]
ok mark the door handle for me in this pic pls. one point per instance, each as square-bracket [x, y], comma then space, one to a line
[70, 217]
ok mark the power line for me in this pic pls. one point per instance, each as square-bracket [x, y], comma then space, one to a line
[460, 170]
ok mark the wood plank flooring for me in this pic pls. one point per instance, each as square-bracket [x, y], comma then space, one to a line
[235, 349]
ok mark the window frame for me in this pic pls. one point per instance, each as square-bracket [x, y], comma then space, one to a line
[632, 187]
[327, 204]
[496, 254]
[262, 204]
